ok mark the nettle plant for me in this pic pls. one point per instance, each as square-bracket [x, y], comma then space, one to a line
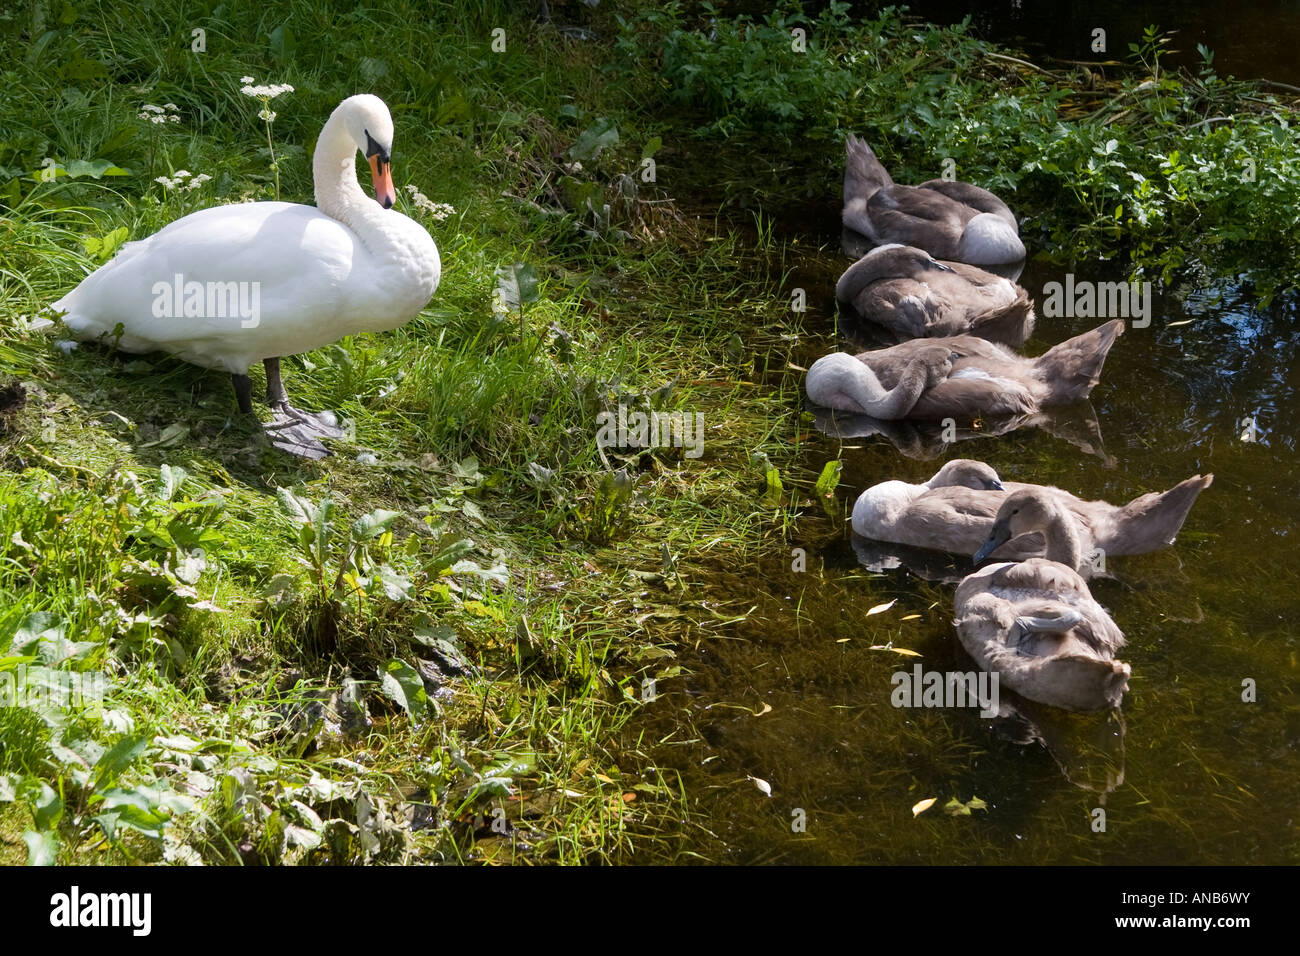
[353, 565]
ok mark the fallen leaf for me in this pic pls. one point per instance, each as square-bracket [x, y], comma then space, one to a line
[882, 607]
[764, 787]
[924, 805]
[906, 652]
[766, 709]
[910, 617]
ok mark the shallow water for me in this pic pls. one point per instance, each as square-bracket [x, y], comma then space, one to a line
[1254, 39]
[1187, 773]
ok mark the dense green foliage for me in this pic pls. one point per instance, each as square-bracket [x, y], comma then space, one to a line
[1166, 169]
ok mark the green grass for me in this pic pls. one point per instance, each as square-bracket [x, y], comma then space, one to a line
[225, 737]
[143, 533]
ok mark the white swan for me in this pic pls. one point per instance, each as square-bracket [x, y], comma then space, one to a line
[229, 286]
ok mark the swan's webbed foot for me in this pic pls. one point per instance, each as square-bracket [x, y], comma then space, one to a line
[290, 429]
[1027, 626]
[300, 433]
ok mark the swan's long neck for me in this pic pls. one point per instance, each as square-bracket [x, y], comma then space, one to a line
[843, 375]
[1062, 538]
[403, 260]
[338, 194]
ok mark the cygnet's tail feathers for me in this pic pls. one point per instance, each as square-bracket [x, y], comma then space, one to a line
[1152, 521]
[864, 176]
[1073, 368]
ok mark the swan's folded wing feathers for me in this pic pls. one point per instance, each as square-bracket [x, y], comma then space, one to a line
[1040, 575]
[968, 194]
[899, 214]
[302, 288]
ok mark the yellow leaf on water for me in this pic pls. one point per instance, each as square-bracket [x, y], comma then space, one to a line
[910, 617]
[882, 607]
[843, 640]
[924, 805]
[765, 709]
[906, 652]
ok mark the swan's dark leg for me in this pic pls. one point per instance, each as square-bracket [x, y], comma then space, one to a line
[243, 393]
[294, 430]
[275, 393]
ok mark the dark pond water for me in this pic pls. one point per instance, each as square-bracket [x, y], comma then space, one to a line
[1188, 773]
[1253, 39]
[798, 693]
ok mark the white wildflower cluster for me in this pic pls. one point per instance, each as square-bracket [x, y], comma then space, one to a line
[438, 210]
[167, 113]
[177, 180]
[267, 92]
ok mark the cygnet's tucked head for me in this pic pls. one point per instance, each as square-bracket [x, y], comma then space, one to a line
[966, 473]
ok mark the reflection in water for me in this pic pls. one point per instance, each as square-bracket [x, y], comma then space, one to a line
[926, 441]
[1088, 748]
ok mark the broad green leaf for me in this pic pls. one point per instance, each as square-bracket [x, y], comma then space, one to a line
[295, 506]
[283, 42]
[322, 526]
[189, 566]
[397, 587]
[117, 758]
[170, 480]
[599, 135]
[374, 524]
[829, 478]
[517, 285]
[102, 248]
[45, 803]
[449, 555]
[42, 848]
[39, 625]
[402, 683]
[773, 488]
[94, 169]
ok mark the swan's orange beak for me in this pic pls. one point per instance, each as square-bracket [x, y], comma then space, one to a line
[381, 173]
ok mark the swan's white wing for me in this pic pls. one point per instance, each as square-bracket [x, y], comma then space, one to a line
[300, 277]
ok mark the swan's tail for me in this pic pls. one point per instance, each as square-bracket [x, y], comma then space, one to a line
[1152, 521]
[1073, 368]
[863, 177]
[1011, 324]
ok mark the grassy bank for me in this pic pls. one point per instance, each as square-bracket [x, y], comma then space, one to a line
[433, 645]
[426, 646]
